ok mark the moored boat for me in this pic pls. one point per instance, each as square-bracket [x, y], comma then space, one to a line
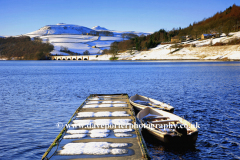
[141, 102]
[167, 127]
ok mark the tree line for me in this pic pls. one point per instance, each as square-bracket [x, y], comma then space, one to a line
[141, 42]
[221, 22]
[23, 48]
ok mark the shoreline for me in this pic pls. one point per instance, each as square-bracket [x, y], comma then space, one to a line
[141, 60]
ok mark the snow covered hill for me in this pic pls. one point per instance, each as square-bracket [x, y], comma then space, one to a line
[202, 51]
[61, 28]
[98, 28]
[79, 38]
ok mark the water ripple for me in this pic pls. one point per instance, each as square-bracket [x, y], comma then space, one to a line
[35, 95]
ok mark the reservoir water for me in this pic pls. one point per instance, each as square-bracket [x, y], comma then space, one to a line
[36, 95]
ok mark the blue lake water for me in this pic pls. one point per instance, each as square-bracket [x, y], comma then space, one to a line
[36, 95]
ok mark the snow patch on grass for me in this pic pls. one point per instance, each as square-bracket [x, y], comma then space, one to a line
[203, 50]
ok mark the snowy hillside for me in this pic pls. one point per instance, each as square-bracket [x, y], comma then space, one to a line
[62, 28]
[78, 39]
[98, 28]
[202, 51]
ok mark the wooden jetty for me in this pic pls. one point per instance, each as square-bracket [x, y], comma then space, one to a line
[103, 127]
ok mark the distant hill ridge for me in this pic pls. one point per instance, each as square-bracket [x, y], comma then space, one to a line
[62, 28]
[98, 28]
[76, 39]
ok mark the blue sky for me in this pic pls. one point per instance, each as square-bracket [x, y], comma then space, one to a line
[24, 16]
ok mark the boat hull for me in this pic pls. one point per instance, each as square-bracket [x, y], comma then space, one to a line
[139, 107]
[174, 140]
[184, 140]
[161, 134]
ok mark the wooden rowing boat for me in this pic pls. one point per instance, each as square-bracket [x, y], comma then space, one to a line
[141, 102]
[167, 127]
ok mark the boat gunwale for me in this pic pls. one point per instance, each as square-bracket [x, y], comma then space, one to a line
[140, 106]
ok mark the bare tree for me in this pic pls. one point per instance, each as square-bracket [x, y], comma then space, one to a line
[86, 52]
[123, 36]
[227, 27]
[105, 51]
[114, 49]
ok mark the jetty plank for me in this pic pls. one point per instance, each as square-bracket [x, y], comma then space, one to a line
[103, 127]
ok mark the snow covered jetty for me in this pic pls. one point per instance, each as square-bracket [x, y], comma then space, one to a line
[104, 126]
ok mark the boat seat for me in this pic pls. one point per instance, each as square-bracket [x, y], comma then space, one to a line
[166, 130]
[156, 105]
[165, 121]
[155, 118]
[159, 118]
